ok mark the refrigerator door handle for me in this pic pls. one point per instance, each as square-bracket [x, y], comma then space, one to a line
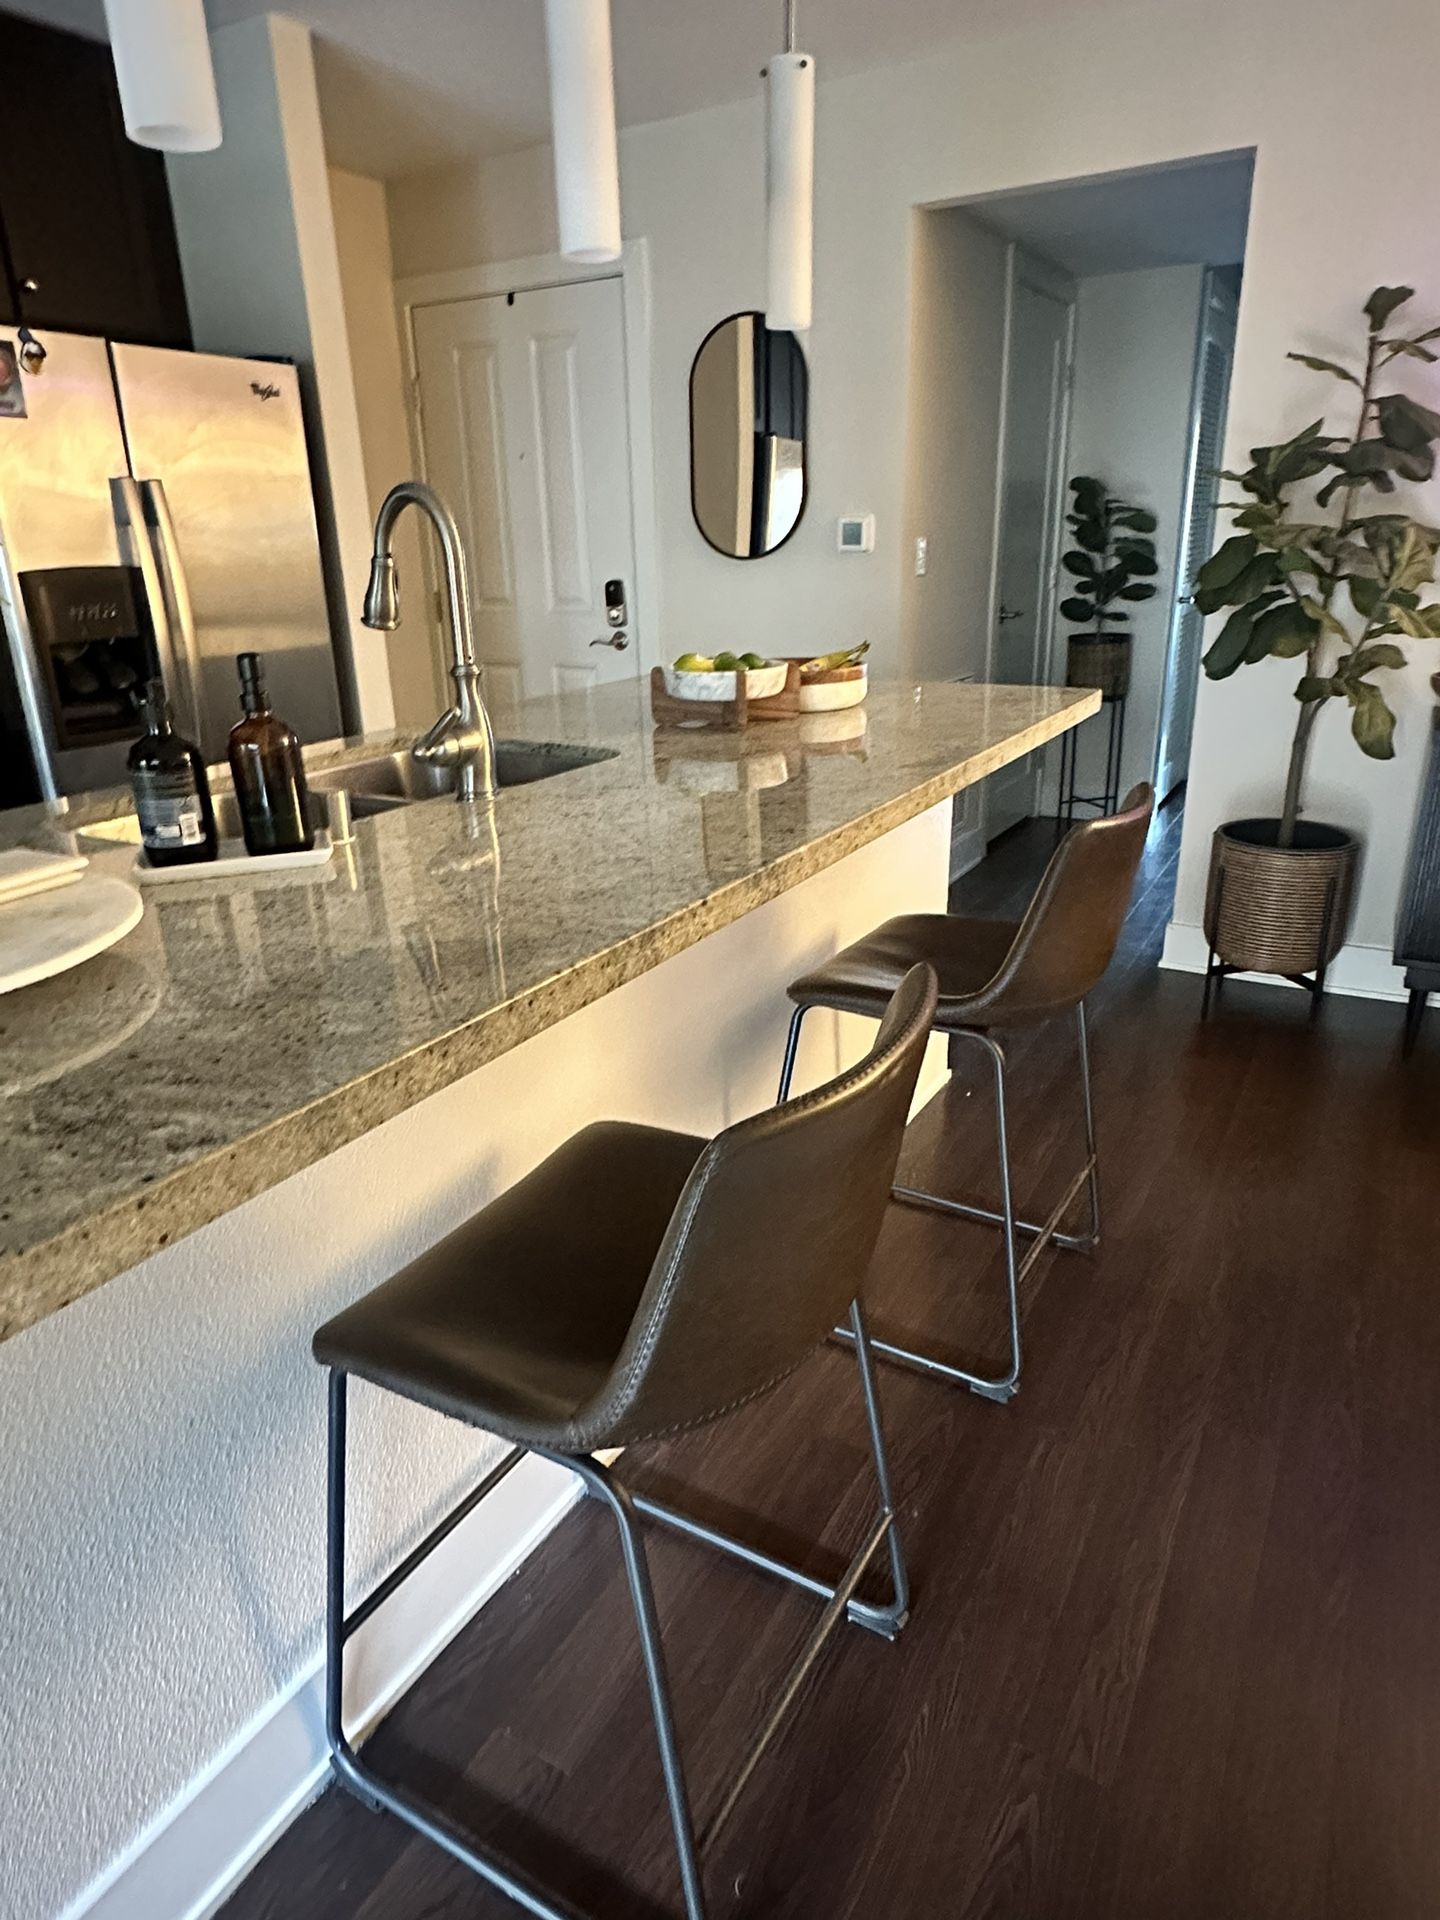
[29, 678]
[137, 551]
[179, 612]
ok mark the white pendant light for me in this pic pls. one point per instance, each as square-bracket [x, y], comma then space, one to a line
[582, 117]
[167, 81]
[789, 184]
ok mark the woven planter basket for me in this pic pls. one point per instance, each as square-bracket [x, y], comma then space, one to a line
[1100, 663]
[1266, 906]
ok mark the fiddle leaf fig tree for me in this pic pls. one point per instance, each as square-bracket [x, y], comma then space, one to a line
[1111, 561]
[1333, 593]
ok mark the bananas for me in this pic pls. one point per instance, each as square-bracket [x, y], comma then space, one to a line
[829, 662]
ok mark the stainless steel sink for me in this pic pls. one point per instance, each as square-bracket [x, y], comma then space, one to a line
[391, 780]
[384, 782]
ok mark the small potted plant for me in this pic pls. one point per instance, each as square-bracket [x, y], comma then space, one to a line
[1111, 562]
[1315, 573]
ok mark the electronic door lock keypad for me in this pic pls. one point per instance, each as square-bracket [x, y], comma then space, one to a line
[616, 612]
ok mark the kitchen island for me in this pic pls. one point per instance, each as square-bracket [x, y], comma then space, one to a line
[248, 1029]
[273, 1094]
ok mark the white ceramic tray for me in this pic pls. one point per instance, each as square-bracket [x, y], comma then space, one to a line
[232, 863]
[760, 683]
[49, 932]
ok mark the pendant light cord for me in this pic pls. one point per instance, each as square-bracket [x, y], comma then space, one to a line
[789, 26]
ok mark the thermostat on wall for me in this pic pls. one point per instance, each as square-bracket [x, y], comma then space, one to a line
[856, 533]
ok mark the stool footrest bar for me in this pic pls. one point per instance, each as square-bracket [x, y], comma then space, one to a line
[726, 1543]
[1044, 1236]
[940, 1369]
[833, 1614]
[862, 1614]
[1071, 1242]
[399, 1573]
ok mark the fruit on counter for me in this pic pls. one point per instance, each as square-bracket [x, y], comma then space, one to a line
[832, 662]
[721, 663]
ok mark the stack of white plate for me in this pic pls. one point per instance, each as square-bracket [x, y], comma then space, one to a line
[55, 914]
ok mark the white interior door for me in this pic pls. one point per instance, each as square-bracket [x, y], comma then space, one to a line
[526, 434]
[1202, 486]
[1031, 477]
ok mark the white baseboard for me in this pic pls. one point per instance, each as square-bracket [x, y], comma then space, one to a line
[192, 1858]
[1367, 972]
[967, 850]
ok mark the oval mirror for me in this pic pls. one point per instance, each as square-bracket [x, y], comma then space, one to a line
[749, 396]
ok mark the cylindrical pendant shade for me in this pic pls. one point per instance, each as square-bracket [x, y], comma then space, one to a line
[167, 81]
[789, 190]
[582, 114]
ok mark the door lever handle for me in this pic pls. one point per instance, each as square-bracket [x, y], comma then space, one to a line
[617, 640]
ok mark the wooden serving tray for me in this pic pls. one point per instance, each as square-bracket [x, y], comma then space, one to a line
[728, 715]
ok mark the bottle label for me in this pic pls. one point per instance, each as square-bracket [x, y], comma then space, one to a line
[169, 809]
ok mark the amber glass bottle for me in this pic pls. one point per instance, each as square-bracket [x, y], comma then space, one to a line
[268, 771]
[172, 794]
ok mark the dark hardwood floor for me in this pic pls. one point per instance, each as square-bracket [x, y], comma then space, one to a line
[1173, 1650]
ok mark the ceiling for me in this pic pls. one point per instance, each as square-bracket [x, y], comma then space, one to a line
[408, 84]
[1159, 217]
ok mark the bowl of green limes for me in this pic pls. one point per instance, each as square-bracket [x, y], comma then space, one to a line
[700, 676]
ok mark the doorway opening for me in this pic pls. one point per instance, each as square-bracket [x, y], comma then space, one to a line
[1084, 328]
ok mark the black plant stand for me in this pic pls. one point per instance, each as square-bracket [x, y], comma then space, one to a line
[1218, 971]
[1109, 801]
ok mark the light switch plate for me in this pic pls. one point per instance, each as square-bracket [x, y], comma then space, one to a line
[855, 533]
[922, 554]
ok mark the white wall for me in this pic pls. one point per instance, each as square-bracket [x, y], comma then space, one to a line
[1331, 217]
[463, 216]
[952, 442]
[367, 279]
[162, 1500]
[257, 246]
[1135, 340]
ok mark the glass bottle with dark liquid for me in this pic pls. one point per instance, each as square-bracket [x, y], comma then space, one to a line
[269, 774]
[172, 794]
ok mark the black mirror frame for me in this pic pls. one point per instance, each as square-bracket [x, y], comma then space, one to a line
[750, 313]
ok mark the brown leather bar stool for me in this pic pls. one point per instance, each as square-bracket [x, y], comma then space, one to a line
[639, 1282]
[1002, 973]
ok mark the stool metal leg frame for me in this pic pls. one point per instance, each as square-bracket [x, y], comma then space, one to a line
[1043, 1234]
[840, 1603]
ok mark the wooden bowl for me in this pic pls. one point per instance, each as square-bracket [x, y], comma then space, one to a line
[835, 688]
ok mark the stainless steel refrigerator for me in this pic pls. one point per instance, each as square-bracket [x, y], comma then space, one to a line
[155, 513]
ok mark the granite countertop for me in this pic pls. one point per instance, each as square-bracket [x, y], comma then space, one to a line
[246, 1029]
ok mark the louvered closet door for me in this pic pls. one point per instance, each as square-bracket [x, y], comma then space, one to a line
[526, 434]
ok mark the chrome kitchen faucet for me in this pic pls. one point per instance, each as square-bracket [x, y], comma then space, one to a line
[462, 737]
